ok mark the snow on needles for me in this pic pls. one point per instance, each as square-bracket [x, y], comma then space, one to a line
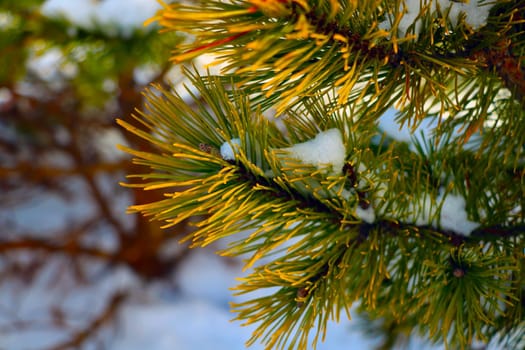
[475, 11]
[227, 149]
[326, 149]
[452, 216]
[368, 215]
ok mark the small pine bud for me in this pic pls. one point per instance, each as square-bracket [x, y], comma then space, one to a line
[209, 149]
[458, 272]
[351, 175]
[302, 293]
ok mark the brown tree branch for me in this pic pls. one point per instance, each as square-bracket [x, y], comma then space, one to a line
[72, 248]
[78, 338]
[39, 173]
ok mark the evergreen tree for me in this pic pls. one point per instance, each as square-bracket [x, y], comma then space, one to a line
[284, 153]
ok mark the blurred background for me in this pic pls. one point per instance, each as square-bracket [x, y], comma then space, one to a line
[76, 271]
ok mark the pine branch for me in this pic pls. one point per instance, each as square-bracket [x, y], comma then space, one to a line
[378, 221]
[324, 254]
[338, 42]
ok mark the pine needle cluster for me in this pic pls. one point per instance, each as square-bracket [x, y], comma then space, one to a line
[336, 66]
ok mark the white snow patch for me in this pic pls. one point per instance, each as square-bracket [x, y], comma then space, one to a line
[453, 215]
[50, 65]
[388, 124]
[325, 150]
[115, 17]
[367, 215]
[227, 149]
[421, 212]
[5, 95]
[80, 13]
[46, 65]
[475, 11]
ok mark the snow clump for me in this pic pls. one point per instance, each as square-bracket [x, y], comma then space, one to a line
[453, 215]
[227, 149]
[368, 215]
[325, 150]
